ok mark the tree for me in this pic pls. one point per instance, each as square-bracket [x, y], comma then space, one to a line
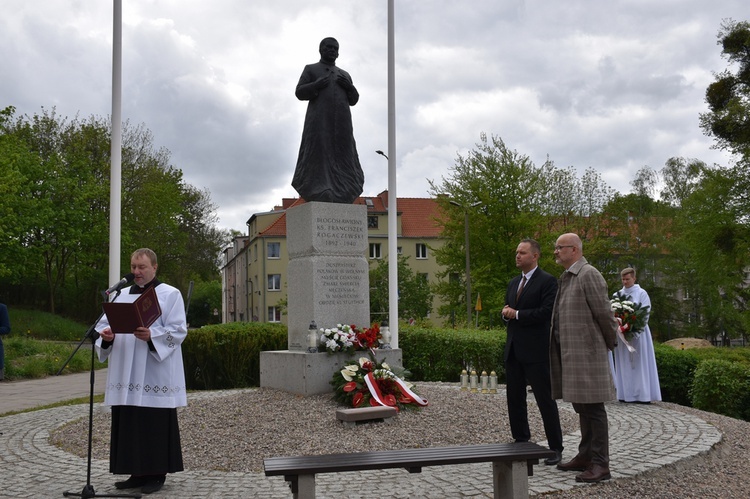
[728, 97]
[55, 238]
[510, 191]
[710, 253]
[680, 178]
[414, 295]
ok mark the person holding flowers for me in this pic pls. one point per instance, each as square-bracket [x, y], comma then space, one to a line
[634, 369]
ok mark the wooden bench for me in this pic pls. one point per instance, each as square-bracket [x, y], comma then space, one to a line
[350, 417]
[512, 464]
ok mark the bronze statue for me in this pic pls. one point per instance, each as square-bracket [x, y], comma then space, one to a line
[328, 168]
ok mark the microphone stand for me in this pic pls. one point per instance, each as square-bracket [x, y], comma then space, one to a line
[88, 490]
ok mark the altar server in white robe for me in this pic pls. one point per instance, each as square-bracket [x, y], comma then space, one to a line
[145, 383]
[635, 374]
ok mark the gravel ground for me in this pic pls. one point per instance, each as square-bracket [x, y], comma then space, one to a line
[235, 432]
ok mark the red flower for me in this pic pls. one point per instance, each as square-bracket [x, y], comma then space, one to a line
[368, 366]
[358, 399]
[350, 386]
[390, 400]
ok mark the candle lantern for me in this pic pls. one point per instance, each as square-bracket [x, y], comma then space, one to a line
[473, 380]
[493, 382]
[312, 338]
[464, 380]
[385, 336]
[484, 382]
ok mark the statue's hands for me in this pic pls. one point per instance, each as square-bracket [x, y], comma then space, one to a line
[321, 83]
[344, 83]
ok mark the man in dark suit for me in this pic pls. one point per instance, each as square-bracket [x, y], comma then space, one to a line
[528, 311]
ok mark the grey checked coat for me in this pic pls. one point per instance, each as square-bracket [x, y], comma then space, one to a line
[583, 329]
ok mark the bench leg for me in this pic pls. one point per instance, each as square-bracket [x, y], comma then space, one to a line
[510, 479]
[305, 487]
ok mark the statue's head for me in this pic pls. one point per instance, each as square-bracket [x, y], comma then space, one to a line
[329, 50]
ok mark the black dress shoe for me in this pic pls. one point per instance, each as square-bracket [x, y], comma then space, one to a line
[154, 484]
[132, 482]
[550, 461]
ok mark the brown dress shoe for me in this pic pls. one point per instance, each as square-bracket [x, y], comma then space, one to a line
[594, 473]
[578, 463]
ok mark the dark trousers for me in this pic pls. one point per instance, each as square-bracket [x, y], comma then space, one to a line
[594, 444]
[537, 374]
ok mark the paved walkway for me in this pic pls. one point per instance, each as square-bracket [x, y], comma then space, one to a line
[642, 438]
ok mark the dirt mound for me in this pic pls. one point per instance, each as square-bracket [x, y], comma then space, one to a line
[685, 343]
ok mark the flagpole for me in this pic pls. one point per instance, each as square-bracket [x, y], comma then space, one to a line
[392, 207]
[115, 176]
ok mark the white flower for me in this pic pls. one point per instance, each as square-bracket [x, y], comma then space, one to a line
[352, 367]
[362, 361]
[386, 366]
[347, 375]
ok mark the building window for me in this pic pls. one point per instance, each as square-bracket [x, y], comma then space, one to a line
[274, 314]
[375, 251]
[274, 282]
[421, 251]
[424, 276]
[372, 221]
[274, 250]
[398, 250]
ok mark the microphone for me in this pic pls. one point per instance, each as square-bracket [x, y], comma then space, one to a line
[121, 284]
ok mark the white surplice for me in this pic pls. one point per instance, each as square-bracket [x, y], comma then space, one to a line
[635, 375]
[141, 377]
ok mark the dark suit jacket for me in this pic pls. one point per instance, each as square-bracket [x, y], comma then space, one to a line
[529, 335]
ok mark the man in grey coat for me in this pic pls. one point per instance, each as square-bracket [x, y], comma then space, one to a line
[583, 330]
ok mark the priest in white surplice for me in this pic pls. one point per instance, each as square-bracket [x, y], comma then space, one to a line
[635, 374]
[145, 384]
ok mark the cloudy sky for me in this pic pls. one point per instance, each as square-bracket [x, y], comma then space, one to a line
[612, 85]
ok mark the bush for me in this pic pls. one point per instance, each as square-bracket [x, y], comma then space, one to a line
[676, 368]
[723, 387]
[228, 355]
[441, 354]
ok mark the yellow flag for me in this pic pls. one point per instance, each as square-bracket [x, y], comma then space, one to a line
[478, 306]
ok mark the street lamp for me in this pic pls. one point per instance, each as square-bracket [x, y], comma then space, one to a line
[468, 258]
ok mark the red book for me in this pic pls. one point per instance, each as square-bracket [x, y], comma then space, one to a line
[127, 317]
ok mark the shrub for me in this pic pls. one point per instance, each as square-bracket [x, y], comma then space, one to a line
[676, 368]
[441, 354]
[722, 386]
[228, 355]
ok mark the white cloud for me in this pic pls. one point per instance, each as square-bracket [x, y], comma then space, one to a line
[610, 85]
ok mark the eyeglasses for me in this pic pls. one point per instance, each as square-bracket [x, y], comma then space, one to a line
[558, 247]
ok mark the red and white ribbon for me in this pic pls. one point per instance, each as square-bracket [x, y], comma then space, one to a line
[374, 388]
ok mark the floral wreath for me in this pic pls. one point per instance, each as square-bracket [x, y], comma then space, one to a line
[365, 382]
[631, 316]
[348, 338]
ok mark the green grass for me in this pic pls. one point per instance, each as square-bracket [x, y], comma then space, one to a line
[75, 401]
[40, 343]
[44, 326]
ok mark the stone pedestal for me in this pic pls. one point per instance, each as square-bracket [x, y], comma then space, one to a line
[306, 374]
[327, 282]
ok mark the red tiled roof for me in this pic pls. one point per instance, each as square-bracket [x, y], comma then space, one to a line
[418, 215]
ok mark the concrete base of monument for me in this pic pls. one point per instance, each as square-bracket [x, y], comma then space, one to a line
[307, 374]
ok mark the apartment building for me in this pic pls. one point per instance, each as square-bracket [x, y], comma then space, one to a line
[254, 272]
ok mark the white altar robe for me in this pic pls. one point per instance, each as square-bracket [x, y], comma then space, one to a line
[635, 375]
[140, 377]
